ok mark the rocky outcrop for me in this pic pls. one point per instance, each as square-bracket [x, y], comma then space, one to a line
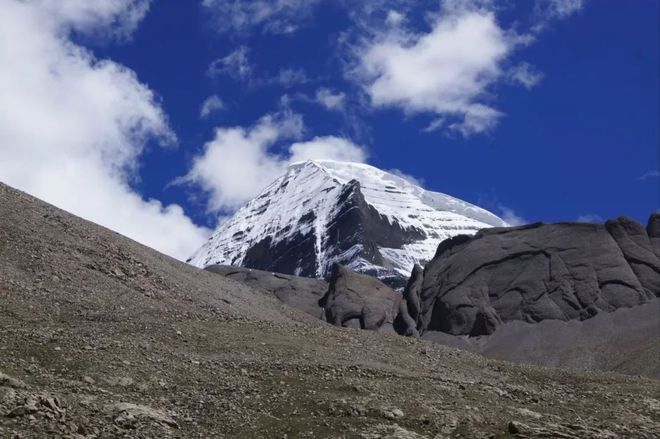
[405, 322]
[348, 299]
[623, 341]
[564, 271]
[359, 300]
[541, 294]
[302, 293]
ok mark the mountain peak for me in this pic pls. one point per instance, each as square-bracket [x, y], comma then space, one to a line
[314, 215]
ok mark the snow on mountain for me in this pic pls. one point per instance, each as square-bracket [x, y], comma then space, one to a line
[320, 212]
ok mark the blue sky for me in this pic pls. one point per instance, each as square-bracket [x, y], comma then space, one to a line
[538, 111]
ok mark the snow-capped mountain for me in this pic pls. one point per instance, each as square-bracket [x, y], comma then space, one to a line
[320, 212]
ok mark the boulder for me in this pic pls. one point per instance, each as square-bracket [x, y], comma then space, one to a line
[359, 300]
[563, 271]
[8, 381]
[128, 415]
[406, 320]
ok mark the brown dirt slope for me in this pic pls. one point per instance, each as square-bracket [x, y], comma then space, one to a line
[103, 337]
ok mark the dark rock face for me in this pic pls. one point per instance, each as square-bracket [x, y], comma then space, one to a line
[405, 322]
[624, 341]
[565, 271]
[298, 292]
[349, 299]
[356, 223]
[653, 230]
[293, 256]
[359, 300]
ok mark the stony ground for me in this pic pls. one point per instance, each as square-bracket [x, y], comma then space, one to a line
[102, 337]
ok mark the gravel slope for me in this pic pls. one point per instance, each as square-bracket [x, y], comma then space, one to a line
[102, 337]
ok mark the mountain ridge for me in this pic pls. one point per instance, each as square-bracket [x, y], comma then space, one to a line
[322, 212]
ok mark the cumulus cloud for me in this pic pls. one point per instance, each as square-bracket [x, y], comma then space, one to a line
[239, 161]
[446, 71]
[75, 126]
[102, 18]
[211, 104]
[269, 16]
[451, 70]
[329, 99]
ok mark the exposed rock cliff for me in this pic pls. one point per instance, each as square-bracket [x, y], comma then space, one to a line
[564, 271]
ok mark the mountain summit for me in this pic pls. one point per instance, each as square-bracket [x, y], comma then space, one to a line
[322, 212]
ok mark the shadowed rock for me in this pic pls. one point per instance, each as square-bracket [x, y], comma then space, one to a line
[564, 271]
[302, 293]
[349, 299]
[405, 322]
[653, 230]
[624, 341]
[359, 300]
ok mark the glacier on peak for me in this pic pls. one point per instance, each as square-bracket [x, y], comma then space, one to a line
[320, 212]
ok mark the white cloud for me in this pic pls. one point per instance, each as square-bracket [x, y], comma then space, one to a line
[236, 65]
[101, 18]
[211, 104]
[590, 218]
[329, 99]
[447, 71]
[450, 70]
[649, 175]
[548, 11]
[327, 147]
[557, 9]
[394, 18]
[435, 125]
[271, 16]
[525, 74]
[76, 126]
[511, 217]
[239, 162]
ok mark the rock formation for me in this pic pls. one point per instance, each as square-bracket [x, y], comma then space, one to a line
[359, 300]
[348, 299]
[564, 271]
[302, 293]
[568, 295]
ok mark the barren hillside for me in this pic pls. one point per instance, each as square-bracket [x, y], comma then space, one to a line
[102, 337]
